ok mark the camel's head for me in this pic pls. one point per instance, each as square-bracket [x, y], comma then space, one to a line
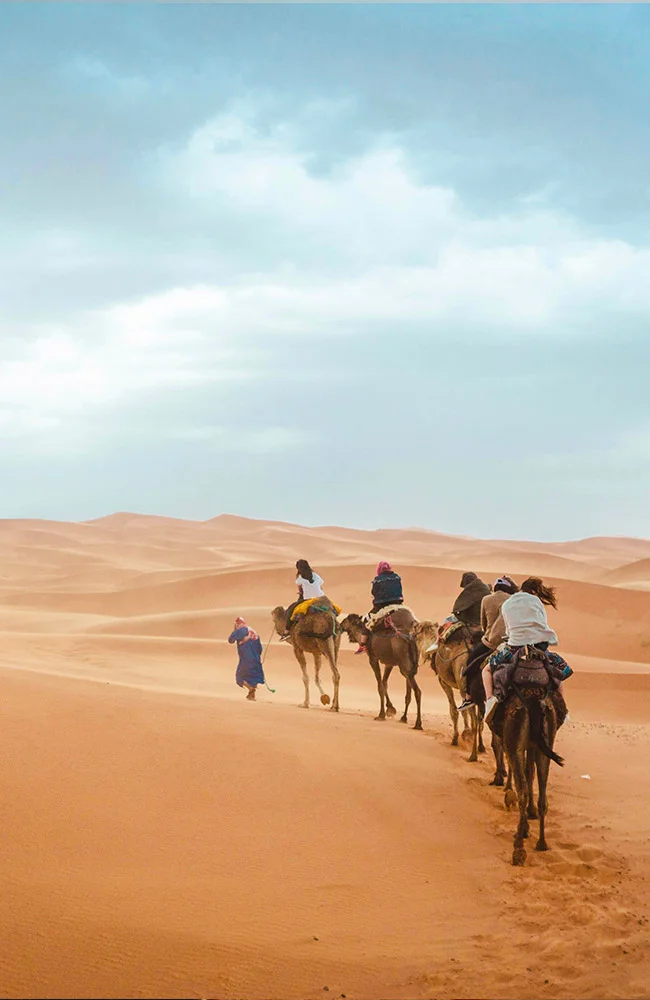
[354, 627]
[426, 633]
[279, 616]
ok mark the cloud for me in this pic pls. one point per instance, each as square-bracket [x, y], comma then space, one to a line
[366, 248]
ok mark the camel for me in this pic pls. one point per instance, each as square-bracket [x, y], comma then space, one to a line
[448, 661]
[530, 725]
[314, 633]
[394, 647]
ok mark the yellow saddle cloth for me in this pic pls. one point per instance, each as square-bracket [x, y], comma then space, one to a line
[304, 606]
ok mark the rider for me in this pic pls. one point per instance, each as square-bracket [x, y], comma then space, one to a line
[494, 632]
[467, 607]
[309, 585]
[524, 616]
[386, 590]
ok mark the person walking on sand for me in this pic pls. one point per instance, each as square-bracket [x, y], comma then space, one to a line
[250, 673]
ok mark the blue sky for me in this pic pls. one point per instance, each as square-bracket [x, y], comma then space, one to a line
[377, 265]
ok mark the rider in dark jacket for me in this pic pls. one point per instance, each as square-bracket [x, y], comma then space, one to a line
[386, 588]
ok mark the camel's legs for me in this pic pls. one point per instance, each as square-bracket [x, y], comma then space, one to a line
[480, 715]
[453, 711]
[473, 714]
[543, 764]
[530, 777]
[408, 694]
[418, 701]
[318, 661]
[390, 708]
[376, 669]
[302, 660]
[500, 769]
[468, 720]
[331, 650]
[518, 765]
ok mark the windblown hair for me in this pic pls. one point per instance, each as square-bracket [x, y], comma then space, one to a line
[533, 585]
[305, 570]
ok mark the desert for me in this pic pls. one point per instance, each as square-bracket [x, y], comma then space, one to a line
[165, 838]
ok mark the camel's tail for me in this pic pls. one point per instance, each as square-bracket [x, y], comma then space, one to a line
[536, 716]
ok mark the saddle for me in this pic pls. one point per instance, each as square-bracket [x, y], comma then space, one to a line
[382, 621]
[530, 675]
[307, 609]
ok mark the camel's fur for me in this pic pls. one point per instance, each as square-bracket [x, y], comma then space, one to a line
[448, 662]
[392, 649]
[312, 633]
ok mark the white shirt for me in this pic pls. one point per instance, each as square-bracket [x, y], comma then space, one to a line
[525, 620]
[310, 590]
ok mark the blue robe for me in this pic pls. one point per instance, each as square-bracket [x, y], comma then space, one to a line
[249, 668]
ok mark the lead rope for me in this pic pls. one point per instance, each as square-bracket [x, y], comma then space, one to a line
[272, 690]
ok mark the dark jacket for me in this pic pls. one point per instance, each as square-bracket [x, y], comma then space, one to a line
[387, 589]
[468, 603]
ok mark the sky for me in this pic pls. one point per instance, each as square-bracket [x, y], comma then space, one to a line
[373, 265]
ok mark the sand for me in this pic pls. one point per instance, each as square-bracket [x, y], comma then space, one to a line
[162, 837]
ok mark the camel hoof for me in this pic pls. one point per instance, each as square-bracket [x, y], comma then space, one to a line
[454, 741]
[532, 813]
[403, 719]
[498, 781]
[541, 845]
[519, 856]
[325, 699]
[510, 798]
[472, 759]
[334, 708]
[303, 705]
[390, 712]
[380, 718]
[418, 725]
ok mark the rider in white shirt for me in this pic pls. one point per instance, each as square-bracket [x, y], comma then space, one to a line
[524, 616]
[309, 585]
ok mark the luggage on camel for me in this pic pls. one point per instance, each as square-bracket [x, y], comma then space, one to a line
[530, 672]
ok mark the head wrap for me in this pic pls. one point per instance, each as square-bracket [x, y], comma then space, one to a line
[240, 623]
[383, 567]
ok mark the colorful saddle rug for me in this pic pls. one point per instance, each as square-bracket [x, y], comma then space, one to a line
[313, 603]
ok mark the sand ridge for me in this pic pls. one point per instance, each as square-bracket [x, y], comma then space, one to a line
[164, 838]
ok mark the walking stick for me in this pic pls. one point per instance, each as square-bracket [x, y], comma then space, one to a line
[272, 690]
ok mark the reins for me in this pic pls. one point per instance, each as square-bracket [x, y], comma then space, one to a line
[272, 690]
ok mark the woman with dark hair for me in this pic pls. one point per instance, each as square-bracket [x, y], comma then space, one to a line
[309, 585]
[494, 632]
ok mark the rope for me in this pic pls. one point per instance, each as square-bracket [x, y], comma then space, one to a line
[272, 690]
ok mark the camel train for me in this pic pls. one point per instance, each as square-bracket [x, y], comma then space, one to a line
[523, 715]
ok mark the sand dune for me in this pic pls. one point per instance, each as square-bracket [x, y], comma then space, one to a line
[162, 837]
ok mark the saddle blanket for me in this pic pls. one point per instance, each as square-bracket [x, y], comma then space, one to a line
[376, 617]
[447, 629]
[306, 606]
